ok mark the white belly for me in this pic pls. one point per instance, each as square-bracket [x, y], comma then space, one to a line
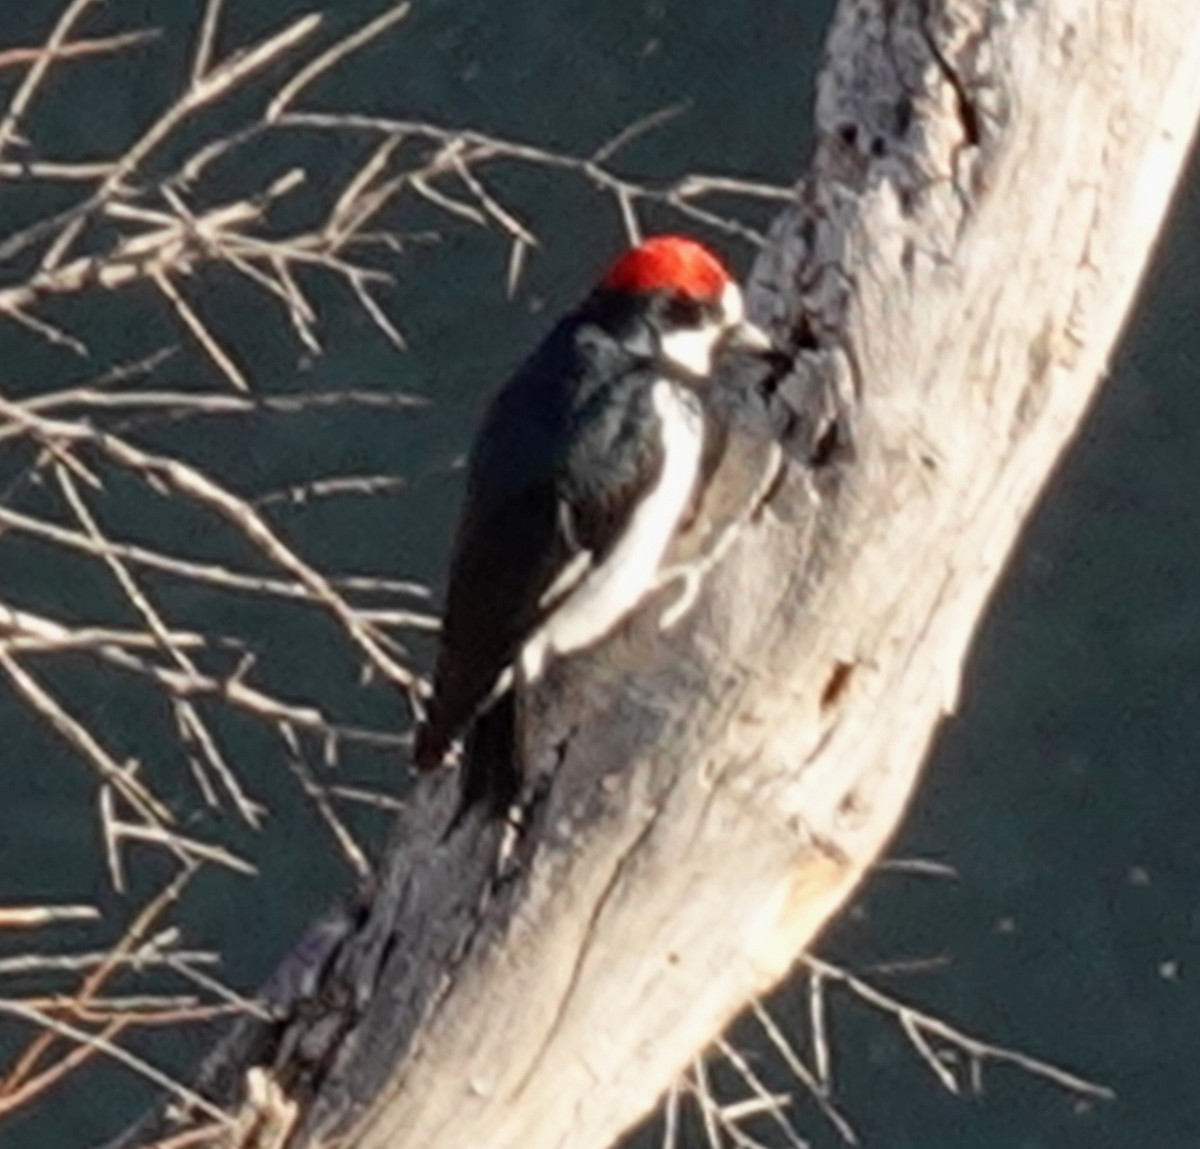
[615, 588]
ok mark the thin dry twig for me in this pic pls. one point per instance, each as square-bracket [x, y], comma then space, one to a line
[23, 1082]
[670, 1137]
[35, 1086]
[24, 95]
[192, 725]
[464, 148]
[34, 917]
[923, 1030]
[98, 1042]
[212, 574]
[333, 56]
[206, 39]
[192, 321]
[121, 776]
[178, 240]
[722, 1120]
[76, 49]
[188, 481]
[207, 90]
[802, 1073]
[774, 1105]
[354, 854]
[145, 957]
[178, 405]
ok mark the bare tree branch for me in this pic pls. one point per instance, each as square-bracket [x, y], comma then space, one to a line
[951, 279]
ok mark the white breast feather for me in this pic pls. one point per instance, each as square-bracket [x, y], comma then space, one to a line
[613, 590]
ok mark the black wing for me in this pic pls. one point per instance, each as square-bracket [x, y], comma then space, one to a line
[557, 469]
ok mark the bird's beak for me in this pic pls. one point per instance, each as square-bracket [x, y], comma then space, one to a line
[750, 337]
[739, 331]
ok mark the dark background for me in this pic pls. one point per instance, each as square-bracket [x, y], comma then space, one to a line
[1063, 796]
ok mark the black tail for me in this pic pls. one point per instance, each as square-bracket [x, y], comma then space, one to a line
[491, 771]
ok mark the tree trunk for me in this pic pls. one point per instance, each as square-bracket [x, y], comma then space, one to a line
[988, 179]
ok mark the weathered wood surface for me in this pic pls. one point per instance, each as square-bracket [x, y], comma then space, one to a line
[988, 181]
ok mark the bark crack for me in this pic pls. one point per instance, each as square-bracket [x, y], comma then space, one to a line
[591, 928]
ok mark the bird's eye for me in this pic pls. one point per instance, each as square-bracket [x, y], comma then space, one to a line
[683, 311]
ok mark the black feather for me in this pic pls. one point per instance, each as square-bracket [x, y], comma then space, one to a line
[564, 452]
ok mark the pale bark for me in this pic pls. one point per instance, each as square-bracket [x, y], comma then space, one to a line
[988, 181]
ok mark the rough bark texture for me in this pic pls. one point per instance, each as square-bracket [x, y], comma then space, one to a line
[988, 180]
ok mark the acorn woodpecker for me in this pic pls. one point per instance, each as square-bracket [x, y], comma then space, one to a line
[590, 458]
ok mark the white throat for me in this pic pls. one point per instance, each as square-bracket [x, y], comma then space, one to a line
[691, 348]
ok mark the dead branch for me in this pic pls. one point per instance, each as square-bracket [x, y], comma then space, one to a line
[951, 279]
[718, 791]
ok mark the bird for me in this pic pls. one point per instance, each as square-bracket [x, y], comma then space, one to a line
[589, 460]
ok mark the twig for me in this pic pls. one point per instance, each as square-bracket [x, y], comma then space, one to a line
[122, 778]
[76, 49]
[34, 917]
[192, 726]
[212, 574]
[22, 630]
[95, 981]
[32, 1087]
[24, 95]
[207, 39]
[920, 1026]
[647, 124]
[183, 965]
[364, 486]
[332, 56]
[188, 848]
[102, 1044]
[207, 90]
[670, 1137]
[721, 1119]
[473, 148]
[146, 957]
[772, 1104]
[796, 1065]
[186, 480]
[192, 321]
[350, 849]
